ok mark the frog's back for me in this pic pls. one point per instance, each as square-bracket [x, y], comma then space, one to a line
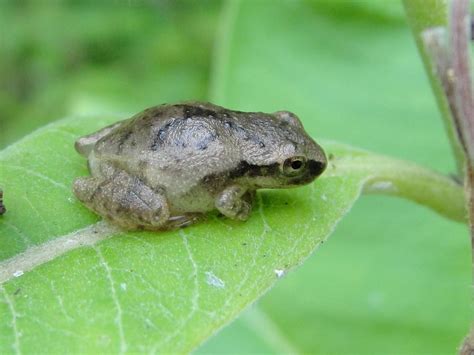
[157, 130]
[170, 143]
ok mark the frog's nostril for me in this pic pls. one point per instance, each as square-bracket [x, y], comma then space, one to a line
[316, 168]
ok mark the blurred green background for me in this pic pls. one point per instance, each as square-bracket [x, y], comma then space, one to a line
[394, 277]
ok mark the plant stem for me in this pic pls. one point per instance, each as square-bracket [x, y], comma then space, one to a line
[460, 27]
[423, 15]
[460, 36]
[408, 180]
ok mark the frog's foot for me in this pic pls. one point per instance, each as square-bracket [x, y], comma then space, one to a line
[123, 200]
[175, 222]
[235, 202]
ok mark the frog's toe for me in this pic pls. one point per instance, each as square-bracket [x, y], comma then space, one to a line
[175, 222]
[244, 211]
[239, 210]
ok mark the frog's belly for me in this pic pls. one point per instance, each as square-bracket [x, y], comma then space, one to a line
[195, 200]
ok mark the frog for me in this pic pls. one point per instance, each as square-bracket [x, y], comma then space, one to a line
[170, 165]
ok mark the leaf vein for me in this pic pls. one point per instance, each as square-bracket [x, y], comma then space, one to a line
[11, 307]
[24, 238]
[194, 298]
[38, 255]
[118, 307]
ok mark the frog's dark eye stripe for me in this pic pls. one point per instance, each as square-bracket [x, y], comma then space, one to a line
[252, 170]
[316, 168]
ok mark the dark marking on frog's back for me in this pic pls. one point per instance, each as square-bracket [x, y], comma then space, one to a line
[244, 133]
[248, 135]
[204, 143]
[215, 112]
[184, 113]
[187, 137]
[190, 111]
[229, 124]
[195, 133]
[159, 137]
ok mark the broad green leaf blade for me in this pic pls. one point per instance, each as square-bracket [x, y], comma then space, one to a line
[66, 284]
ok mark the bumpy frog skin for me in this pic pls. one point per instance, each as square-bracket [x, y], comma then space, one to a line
[167, 166]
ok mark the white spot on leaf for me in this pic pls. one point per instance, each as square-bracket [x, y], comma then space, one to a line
[18, 273]
[279, 273]
[123, 286]
[213, 280]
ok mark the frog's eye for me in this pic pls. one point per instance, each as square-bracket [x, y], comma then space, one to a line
[294, 165]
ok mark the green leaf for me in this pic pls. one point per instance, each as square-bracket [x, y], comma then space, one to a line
[66, 284]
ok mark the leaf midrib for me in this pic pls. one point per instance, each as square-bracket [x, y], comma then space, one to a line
[50, 250]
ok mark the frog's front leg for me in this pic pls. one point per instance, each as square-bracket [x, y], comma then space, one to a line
[235, 202]
[124, 199]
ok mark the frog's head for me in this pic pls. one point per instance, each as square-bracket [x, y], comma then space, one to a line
[292, 157]
[301, 159]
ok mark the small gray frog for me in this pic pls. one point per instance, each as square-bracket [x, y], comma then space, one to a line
[167, 166]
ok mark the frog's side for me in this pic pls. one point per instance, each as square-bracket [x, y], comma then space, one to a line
[168, 165]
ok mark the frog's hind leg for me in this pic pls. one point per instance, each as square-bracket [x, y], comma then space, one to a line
[124, 200]
[84, 145]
